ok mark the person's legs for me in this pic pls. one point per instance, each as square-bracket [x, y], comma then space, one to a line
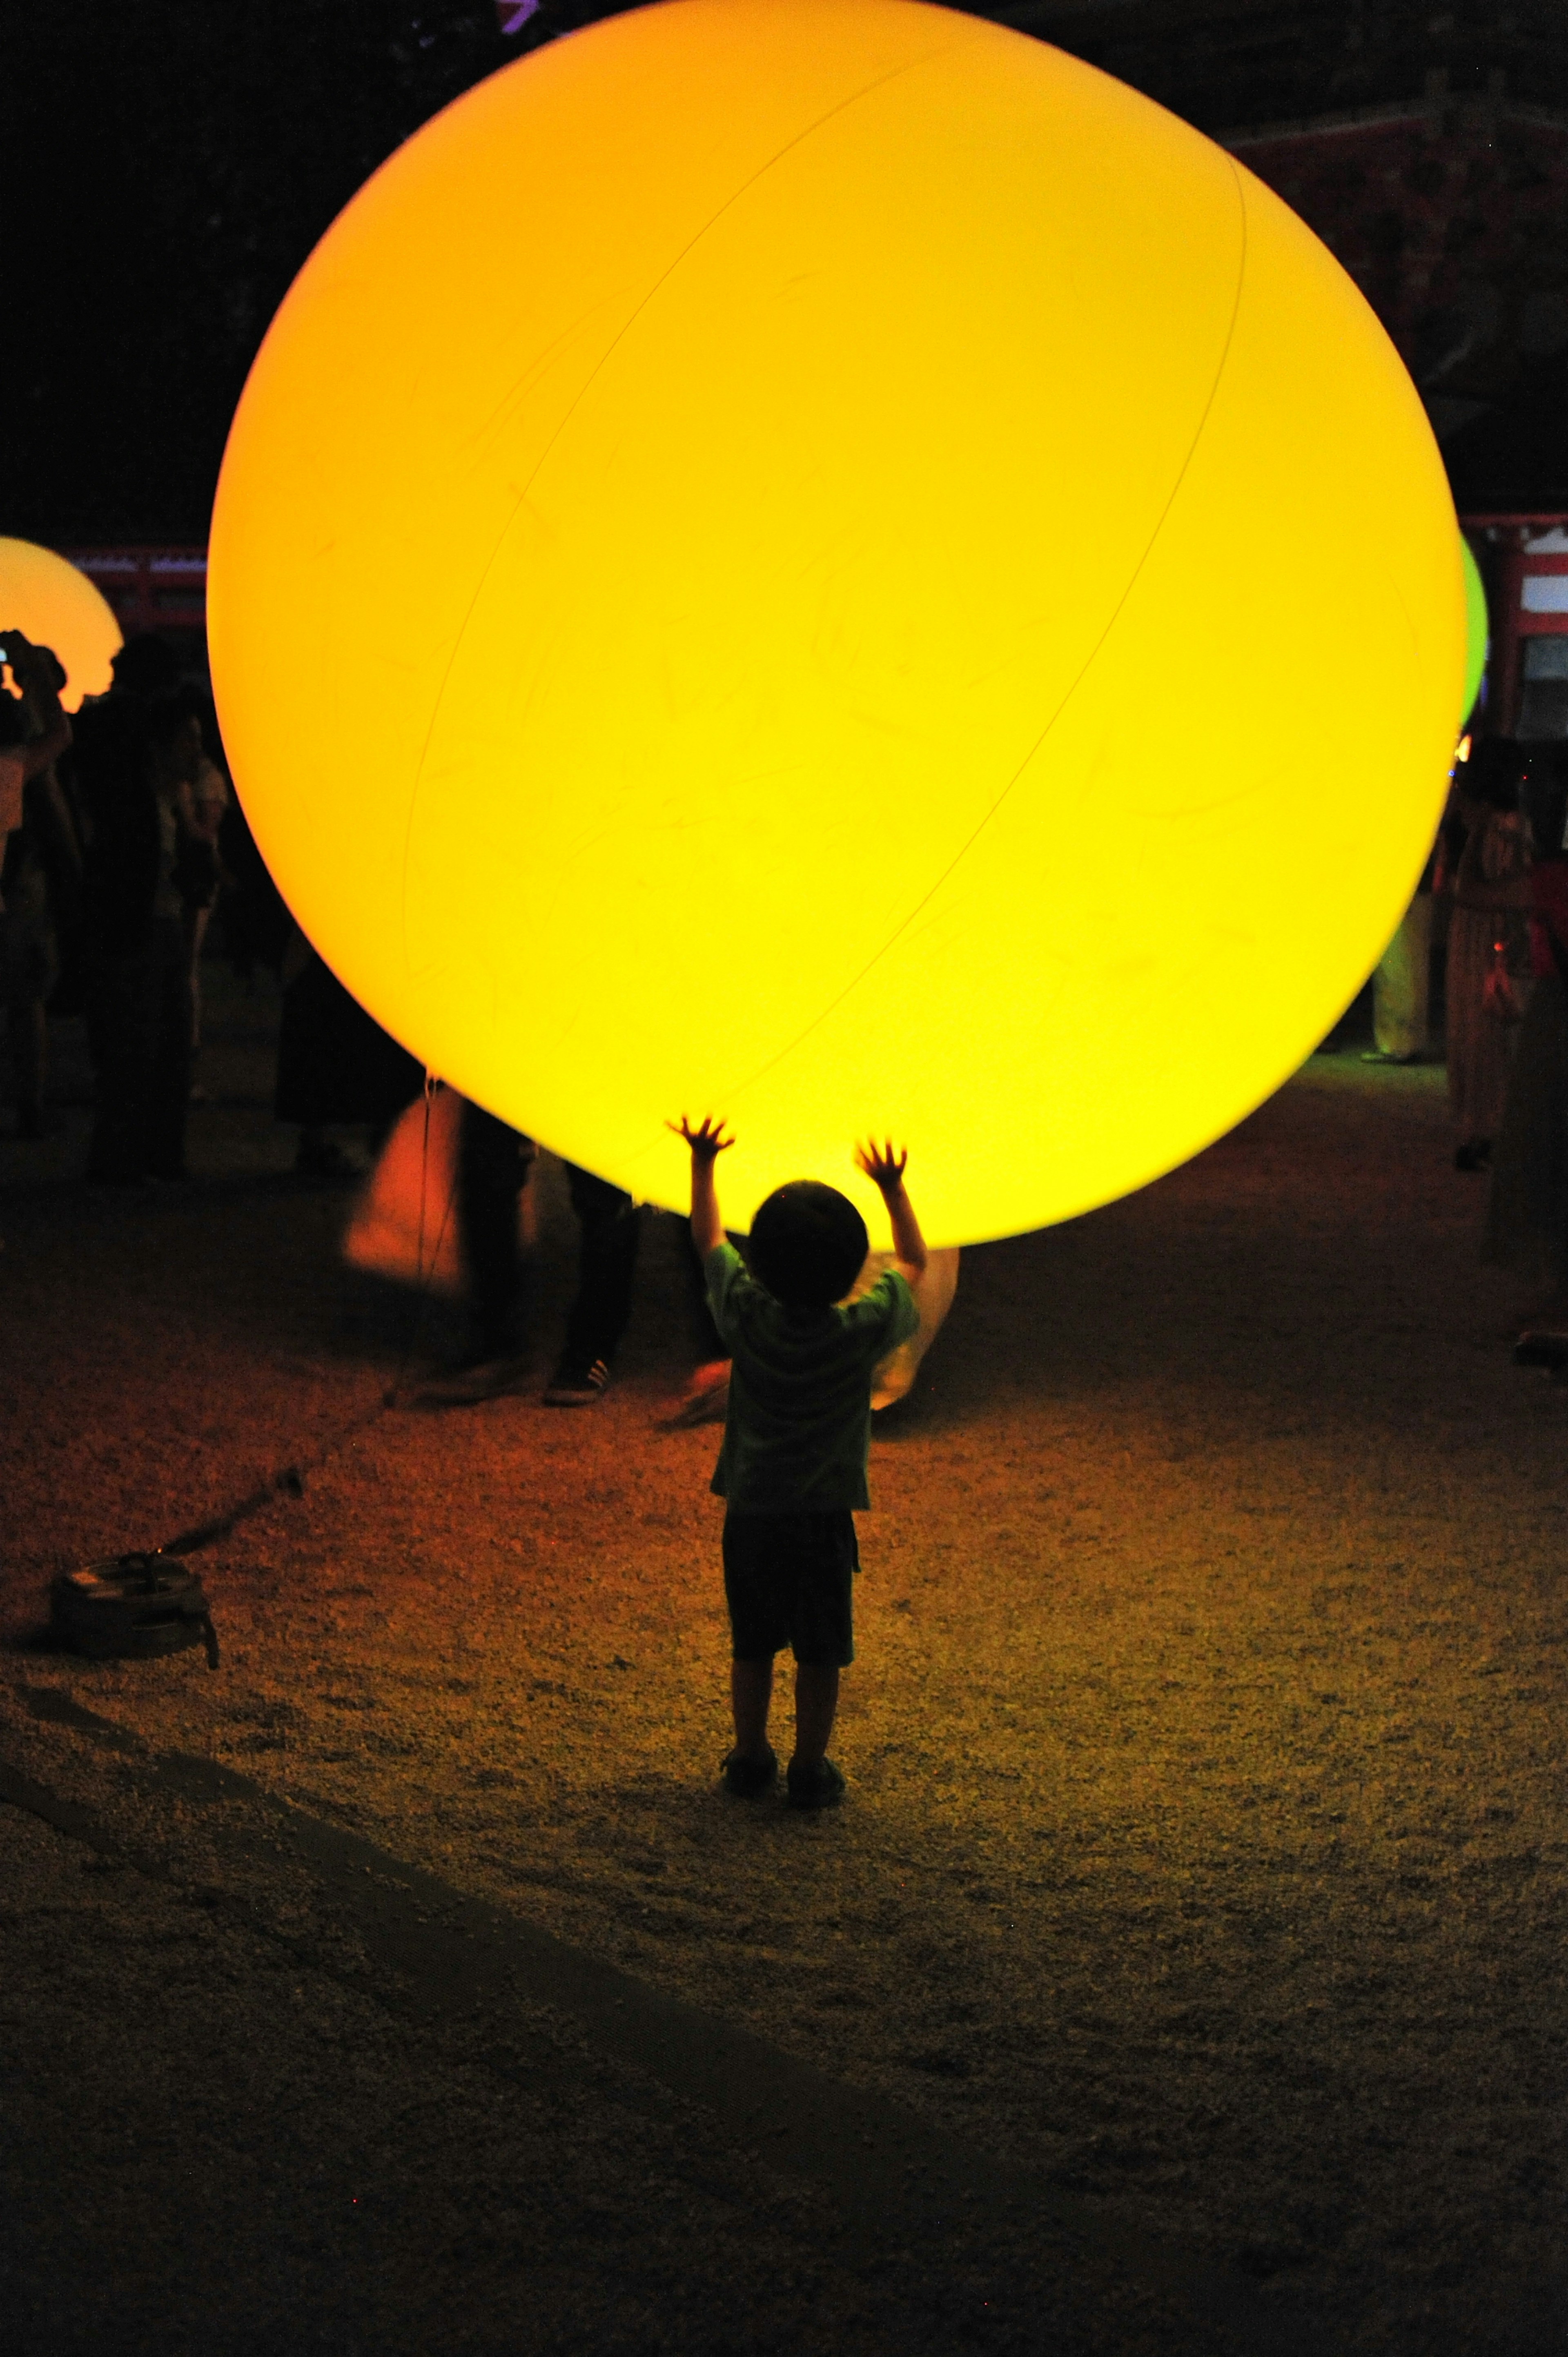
[821, 1630]
[30, 968]
[121, 1006]
[1527, 1204]
[196, 924]
[751, 1692]
[757, 1633]
[26, 1034]
[605, 1265]
[491, 1170]
[1401, 988]
[816, 1707]
[168, 1103]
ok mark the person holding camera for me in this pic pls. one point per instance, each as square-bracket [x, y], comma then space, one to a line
[36, 730]
[39, 861]
[145, 868]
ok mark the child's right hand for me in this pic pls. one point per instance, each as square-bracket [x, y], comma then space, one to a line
[705, 1142]
[885, 1168]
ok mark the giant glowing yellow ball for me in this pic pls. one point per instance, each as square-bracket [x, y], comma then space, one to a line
[45, 596]
[819, 561]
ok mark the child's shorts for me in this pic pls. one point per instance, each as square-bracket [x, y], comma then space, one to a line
[788, 1580]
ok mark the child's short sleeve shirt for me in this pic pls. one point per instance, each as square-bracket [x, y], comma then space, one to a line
[798, 1434]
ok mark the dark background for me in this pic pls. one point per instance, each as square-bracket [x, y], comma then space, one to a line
[169, 165]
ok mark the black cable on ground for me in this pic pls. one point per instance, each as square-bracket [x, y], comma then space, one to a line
[288, 1480]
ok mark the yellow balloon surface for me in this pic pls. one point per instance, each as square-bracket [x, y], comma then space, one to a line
[58, 607]
[821, 562]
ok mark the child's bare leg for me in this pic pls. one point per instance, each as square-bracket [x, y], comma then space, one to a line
[751, 1690]
[816, 1704]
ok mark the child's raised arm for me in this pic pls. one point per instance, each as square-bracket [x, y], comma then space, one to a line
[885, 1171]
[707, 1144]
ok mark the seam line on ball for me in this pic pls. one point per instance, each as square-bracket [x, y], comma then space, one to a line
[909, 66]
[730, 1094]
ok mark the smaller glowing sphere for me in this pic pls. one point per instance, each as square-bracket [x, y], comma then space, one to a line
[1476, 629]
[58, 607]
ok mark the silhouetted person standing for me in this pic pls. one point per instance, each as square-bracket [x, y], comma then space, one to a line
[136, 759]
[39, 864]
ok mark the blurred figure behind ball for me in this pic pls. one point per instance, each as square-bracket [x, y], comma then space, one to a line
[135, 758]
[39, 864]
[1488, 928]
[1527, 1212]
[209, 807]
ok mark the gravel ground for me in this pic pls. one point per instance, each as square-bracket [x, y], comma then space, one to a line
[1203, 1850]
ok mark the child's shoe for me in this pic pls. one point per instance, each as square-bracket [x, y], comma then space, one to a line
[820, 1786]
[706, 1396]
[749, 1778]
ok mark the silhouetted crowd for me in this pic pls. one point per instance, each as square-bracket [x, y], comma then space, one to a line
[1488, 928]
[1506, 876]
[111, 867]
[121, 837]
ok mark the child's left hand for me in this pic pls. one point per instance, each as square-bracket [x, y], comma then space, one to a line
[706, 1143]
[884, 1167]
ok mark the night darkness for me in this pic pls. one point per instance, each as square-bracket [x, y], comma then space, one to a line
[170, 166]
[1184, 1974]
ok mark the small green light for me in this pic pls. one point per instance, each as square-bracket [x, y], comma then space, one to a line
[1474, 629]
